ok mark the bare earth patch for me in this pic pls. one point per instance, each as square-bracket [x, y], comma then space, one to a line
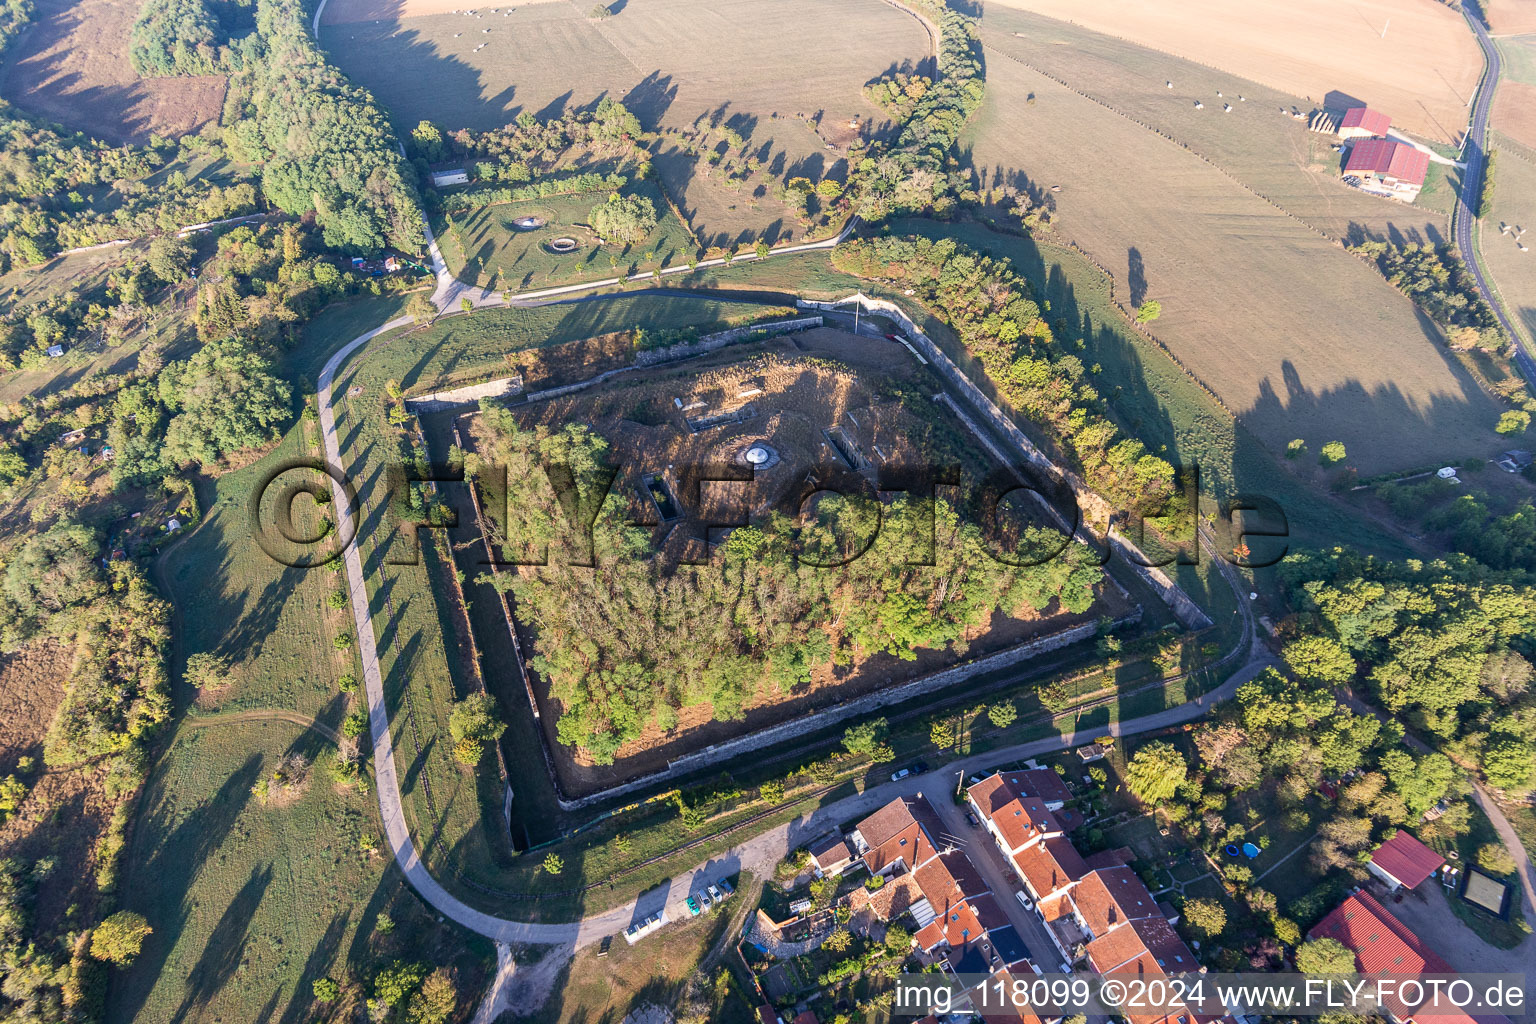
[1420, 73]
[72, 67]
[31, 686]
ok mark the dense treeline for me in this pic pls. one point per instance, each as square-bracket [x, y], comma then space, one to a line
[1443, 645]
[46, 175]
[989, 307]
[911, 175]
[38, 159]
[608, 128]
[322, 143]
[192, 37]
[14, 16]
[626, 647]
[568, 185]
[1435, 277]
[1470, 522]
[116, 694]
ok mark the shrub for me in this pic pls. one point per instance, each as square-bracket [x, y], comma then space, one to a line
[1003, 715]
[119, 938]
[326, 990]
[553, 864]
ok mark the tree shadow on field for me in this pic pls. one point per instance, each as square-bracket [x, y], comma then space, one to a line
[1136, 277]
[315, 968]
[179, 845]
[1358, 234]
[651, 98]
[225, 947]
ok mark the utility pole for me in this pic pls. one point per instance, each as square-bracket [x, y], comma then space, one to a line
[1385, 27]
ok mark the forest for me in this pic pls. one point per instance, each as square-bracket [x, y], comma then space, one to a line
[191, 37]
[1435, 277]
[1444, 646]
[910, 176]
[630, 645]
[989, 308]
[322, 143]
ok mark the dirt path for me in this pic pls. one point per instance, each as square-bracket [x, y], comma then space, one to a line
[235, 717]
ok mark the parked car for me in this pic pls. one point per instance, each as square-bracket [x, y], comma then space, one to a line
[971, 817]
[898, 776]
[705, 900]
[714, 894]
[605, 945]
[918, 767]
[693, 906]
[1024, 900]
[893, 337]
[726, 887]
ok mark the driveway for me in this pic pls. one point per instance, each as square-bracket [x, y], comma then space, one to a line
[1427, 912]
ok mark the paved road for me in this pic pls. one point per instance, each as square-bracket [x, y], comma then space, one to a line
[758, 854]
[1466, 207]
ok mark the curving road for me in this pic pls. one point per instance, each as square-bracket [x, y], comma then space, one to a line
[760, 852]
[1471, 187]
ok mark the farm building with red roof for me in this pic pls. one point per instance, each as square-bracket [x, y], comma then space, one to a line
[1384, 945]
[1363, 123]
[1387, 168]
[1404, 861]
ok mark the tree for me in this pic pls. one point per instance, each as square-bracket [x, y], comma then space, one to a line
[624, 218]
[170, 259]
[1149, 311]
[436, 1000]
[326, 990]
[427, 140]
[225, 398]
[599, 12]
[396, 982]
[898, 939]
[941, 733]
[1325, 956]
[476, 718]
[1509, 764]
[1514, 421]
[1206, 916]
[206, 671]
[468, 751]
[553, 864]
[762, 251]
[838, 941]
[1156, 772]
[467, 304]
[1333, 453]
[771, 791]
[1003, 715]
[120, 937]
[869, 738]
[421, 307]
[1320, 659]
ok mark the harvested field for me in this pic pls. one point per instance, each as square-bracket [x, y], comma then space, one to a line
[1272, 154]
[673, 62]
[1298, 337]
[1514, 111]
[1514, 203]
[785, 398]
[1506, 17]
[1421, 73]
[1519, 53]
[72, 67]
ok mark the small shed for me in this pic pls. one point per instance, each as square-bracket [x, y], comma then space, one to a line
[456, 176]
[1403, 861]
[55, 351]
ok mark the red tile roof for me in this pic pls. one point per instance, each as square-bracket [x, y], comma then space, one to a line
[1373, 121]
[902, 829]
[1108, 897]
[1146, 936]
[1045, 784]
[948, 879]
[956, 926]
[807, 1018]
[830, 851]
[988, 912]
[1384, 945]
[1392, 159]
[1406, 859]
[1050, 865]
